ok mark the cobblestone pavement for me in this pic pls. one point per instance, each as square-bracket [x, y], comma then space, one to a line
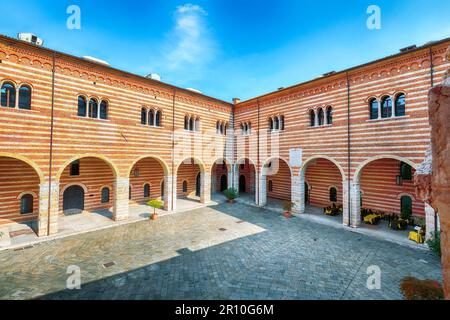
[222, 252]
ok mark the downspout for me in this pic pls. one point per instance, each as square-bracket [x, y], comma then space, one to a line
[258, 175]
[173, 147]
[432, 85]
[50, 164]
[348, 152]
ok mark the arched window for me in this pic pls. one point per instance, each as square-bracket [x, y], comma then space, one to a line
[282, 123]
[333, 194]
[151, 117]
[26, 204]
[158, 117]
[146, 190]
[197, 124]
[270, 185]
[144, 116]
[191, 124]
[105, 195]
[271, 124]
[93, 108]
[329, 115]
[82, 106]
[25, 97]
[400, 104]
[217, 127]
[312, 118]
[276, 124]
[321, 117]
[373, 105]
[185, 186]
[386, 107]
[104, 110]
[8, 95]
[186, 123]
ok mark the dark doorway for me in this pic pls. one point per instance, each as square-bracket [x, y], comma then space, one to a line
[197, 186]
[406, 206]
[73, 200]
[242, 184]
[223, 183]
[306, 193]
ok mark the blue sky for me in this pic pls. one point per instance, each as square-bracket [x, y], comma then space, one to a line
[230, 48]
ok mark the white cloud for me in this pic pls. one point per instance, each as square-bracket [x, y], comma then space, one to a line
[189, 46]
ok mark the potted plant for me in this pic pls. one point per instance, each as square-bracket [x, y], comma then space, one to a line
[155, 204]
[231, 194]
[287, 206]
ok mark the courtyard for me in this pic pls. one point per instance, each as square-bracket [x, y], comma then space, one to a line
[219, 252]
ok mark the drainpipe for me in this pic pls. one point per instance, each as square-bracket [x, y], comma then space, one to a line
[173, 145]
[50, 164]
[258, 175]
[432, 85]
[348, 151]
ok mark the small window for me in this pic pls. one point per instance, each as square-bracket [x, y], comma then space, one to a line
[312, 118]
[271, 124]
[276, 124]
[400, 104]
[75, 168]
[217, 127]
[321, 117]
[8, 95]
[405, 171]
[282, 123]
[386, 107]
[143, 116]
[93, 109]
[186, 123]
[197, 124]
[333, 194]
[25, 97]
[104, 110]
[242, 166]
[191, 124]
[158, 118]
[373, 109]
[146, 190]
[270, 185]
[105, 195]
[26, 204]
[329, 115]
[185, 186]
[82, 106]
[151, 117]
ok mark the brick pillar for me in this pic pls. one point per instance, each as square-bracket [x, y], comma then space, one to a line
[429, 220]
[169, 198]
[262, 191]
[44, 193]
[121, 198]
[205, 187]
[355, 204]
[298, 191]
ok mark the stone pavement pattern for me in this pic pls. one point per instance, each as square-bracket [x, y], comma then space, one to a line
[187, 256]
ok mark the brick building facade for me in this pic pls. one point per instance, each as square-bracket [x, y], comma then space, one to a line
[79, 134]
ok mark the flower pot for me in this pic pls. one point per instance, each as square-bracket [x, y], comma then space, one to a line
[230, 201]
[287, 214]
[154, 216]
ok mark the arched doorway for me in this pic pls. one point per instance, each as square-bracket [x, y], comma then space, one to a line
[223, 183]
[190, 173]
[246, 179]
[73, 200]
[197, 186]
[276, 175]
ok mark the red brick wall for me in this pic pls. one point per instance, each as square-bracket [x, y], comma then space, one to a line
[320, 176]
[150, 171]
[281, 182]
[248, 170]
[187, 172]
[218, 171]
[16, 177]
[380, 191]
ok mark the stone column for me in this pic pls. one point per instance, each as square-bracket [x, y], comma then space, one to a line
[213, 183]
[235, 173]
[46, 191]
[345, 197]
[355, 204]
[297, 191]
[121, 199]
[262, 190]
[430, 220]
[230, 177]
[169, 197]
[205, 188]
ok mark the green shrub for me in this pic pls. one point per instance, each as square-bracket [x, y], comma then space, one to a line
[231, 193]
[155, 204]
[434, 243]
[416, 289]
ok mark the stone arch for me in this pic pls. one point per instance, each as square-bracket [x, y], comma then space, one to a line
[357, 174]
[31, 163]
[161, 161]
[80, 184]
[311, 159]
[88, 155]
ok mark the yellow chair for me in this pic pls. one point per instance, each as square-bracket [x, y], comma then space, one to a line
[416, 236]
